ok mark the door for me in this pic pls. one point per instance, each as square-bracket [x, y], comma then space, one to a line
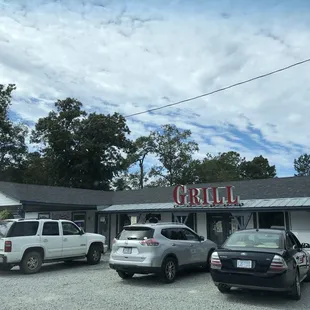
[103, 226]
[198, 251]
[300, 255]
[74, 244]
[218, 227]
[52, 240]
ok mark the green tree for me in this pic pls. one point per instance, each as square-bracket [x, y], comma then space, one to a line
[142, 147]
[12, 139]
[174, 149]
[5, 214]
[258, 168]
[302, 165]
[85, 150]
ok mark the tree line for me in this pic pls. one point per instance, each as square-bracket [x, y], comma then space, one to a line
[72, 148]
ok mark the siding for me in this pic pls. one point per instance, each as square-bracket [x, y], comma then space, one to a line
[7, 201]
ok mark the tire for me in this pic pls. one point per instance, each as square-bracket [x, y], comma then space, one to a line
[31, 263]
[295, 292]
[168, 270]
[94, 255]
[125, 275]
[223, 288]
[207, 264]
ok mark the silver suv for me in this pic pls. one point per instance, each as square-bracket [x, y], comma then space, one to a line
[161, 248]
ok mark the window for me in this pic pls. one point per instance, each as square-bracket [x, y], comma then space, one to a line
[21, 229]
[173, 234]
[289, 242]
[69, 229]
[136, 233]
[255, 239]
[4, 227]
[268, 219]
[44, 216]
[50, 229]
[295, 240]
[190, 235]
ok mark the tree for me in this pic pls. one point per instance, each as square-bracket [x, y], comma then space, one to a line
[174, 150]
[258, 168]
[5, 214]
[85, 150]
[12, 139]
[142, 147]
[302, 165]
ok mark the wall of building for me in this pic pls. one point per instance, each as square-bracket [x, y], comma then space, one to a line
[300, 225]
[31, 215]
[202, 224]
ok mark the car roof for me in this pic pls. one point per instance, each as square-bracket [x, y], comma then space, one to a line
[264, 230]
[33, 219]
[157, 225]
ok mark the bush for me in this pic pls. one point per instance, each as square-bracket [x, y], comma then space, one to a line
[5, 214]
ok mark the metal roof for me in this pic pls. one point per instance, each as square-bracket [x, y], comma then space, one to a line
[246, 204]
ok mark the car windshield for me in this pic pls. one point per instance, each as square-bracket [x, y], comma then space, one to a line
[4, 228]
[255, 239]
[136, 233]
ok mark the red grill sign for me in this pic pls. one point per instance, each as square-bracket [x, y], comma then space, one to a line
[202, 196]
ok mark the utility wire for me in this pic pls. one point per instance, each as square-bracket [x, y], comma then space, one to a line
[221, 89]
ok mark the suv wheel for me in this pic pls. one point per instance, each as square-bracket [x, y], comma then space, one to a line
[125, 275]
[31, 263]
[94, 255]
[168, 270]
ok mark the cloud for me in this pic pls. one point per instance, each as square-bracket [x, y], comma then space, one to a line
[129, 56]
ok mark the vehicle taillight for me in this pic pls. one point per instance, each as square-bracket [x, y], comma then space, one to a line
[8, 246]
[149, 242]
[278, 263]
[114, 240]
[215, 262]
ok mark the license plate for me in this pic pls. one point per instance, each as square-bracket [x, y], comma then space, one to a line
[127, 250]
[244, 264]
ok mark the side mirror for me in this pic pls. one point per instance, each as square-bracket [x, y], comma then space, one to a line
[201, 238]
[82, 232]
[305, 245]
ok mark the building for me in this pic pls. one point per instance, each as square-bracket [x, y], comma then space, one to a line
[213, 210]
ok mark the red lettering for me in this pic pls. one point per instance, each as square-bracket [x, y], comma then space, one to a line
[179, 198]
[194, 196]
[230, 196]
[216, 199]
[205, 195]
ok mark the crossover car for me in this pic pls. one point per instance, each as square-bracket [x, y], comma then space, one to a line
[261, 259]
[161, 248]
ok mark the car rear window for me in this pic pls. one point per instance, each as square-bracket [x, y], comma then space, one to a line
[136, 233]
[21, 229]
[255, 239]
[4, 227]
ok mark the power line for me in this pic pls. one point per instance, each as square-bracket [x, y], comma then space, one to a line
[221, 89]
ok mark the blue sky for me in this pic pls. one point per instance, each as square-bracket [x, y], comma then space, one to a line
[129, 56]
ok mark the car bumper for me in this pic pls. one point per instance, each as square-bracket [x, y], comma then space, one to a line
[3, 259]
[267, 281]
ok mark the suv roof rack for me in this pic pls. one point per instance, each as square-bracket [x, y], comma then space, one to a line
[168, 223]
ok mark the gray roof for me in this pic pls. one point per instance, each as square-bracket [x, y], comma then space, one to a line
[290, 187]
[283, 203]
[55, 195]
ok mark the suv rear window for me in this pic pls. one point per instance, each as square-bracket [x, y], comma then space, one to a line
[4, 227]
[136, 233]
[21, 229]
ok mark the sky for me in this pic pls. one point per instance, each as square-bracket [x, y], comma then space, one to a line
[130, 56]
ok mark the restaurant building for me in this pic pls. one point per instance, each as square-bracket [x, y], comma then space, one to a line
[216, 210]
[212, 210]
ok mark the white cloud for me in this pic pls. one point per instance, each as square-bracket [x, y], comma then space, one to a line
[129, 56]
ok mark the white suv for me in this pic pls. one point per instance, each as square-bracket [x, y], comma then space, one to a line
[30, 243]
[162, 248]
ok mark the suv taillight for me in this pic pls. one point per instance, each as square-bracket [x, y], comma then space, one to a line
[8, 246]
[278, 263]
[149, 242]
[114, 240]
[215, 262]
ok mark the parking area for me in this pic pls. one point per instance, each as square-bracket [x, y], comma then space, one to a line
[80, 286]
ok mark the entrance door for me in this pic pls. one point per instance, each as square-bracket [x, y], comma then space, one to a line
[103, 228]
[218, 227]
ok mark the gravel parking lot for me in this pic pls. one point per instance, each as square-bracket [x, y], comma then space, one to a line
[80, 286]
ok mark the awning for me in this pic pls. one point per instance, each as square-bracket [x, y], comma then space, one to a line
[250, 205]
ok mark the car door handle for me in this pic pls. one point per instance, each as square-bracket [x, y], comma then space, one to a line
[45, 240]
[65, 239]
